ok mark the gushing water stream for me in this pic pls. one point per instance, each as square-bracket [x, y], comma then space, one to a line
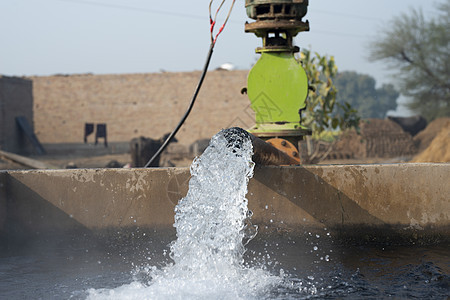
[212, 224]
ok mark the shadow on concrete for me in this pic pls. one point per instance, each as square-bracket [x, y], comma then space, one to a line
[314, 195]
[350, 223]
[31, 218]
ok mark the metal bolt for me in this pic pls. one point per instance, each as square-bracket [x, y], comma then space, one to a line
[283, 143]
[294, 153]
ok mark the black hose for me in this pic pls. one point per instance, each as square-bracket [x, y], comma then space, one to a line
[186, 114]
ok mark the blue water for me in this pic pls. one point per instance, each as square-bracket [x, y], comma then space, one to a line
[332, 271]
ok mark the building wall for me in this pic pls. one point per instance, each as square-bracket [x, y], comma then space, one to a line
[135, 105]
[16, 99]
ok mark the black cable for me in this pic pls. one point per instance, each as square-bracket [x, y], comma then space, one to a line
[202, 77]
[186, 114]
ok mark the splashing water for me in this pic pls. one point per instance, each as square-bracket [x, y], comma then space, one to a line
[212, 224]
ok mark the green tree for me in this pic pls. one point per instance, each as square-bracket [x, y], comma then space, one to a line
[418, 50]
[322, 112]
[360, 92]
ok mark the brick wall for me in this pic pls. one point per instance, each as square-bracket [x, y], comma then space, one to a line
[135, 105]
[16, 99]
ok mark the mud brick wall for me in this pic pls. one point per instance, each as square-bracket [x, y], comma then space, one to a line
[134, 105]
[16, 99]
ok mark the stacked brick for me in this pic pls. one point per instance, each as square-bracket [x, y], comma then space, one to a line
[377, 139]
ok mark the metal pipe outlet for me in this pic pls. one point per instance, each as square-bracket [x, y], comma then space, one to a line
[263, 153]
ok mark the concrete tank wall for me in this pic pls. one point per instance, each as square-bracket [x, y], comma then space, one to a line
[407, 198]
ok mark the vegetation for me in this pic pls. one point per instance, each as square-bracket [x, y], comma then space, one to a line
[360, 92]
[322, 112]
[418, 50]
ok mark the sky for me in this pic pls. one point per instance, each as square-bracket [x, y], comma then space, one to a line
[46, 37]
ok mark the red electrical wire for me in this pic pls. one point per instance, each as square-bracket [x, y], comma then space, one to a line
[202, 77]
[213, 21]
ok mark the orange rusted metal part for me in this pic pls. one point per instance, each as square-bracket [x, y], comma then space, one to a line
[286, 147]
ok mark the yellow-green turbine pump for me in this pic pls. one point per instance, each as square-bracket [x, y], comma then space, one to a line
[277, 85]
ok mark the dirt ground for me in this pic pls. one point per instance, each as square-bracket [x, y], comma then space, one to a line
[439, 148]
[434, 140]
[424, 138]
[72, 161]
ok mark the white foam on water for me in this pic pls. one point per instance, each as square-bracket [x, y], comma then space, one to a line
[212, 226]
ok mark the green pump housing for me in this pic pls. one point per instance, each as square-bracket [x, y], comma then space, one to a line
[277, 85]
